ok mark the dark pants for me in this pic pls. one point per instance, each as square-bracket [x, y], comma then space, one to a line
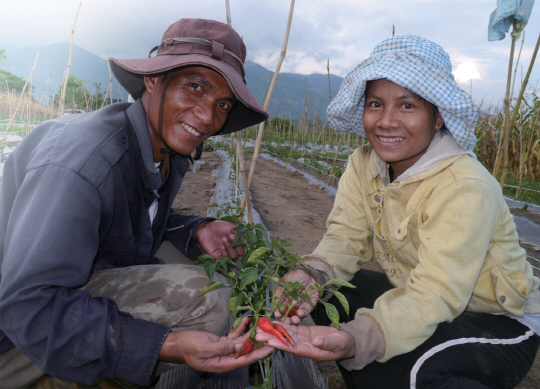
[475, 351]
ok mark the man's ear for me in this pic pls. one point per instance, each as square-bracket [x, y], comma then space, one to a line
[151, 83]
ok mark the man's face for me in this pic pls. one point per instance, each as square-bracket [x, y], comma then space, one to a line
[197, 103]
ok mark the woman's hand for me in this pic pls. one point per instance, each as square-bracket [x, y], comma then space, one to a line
[316, 342]
[207, 352]
[304, 308]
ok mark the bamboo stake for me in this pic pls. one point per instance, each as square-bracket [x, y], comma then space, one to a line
[20, 99]
[329, 87]
[335, 159]
[507, 109]
[517, 62]
[110, 76]
[516, 108]
[62, 102]
[44, 89]
[239, 153]
[228, 12]
[269, 96]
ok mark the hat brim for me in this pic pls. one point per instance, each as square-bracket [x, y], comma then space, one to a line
[247, 112]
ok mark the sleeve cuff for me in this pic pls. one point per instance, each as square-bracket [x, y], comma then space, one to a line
[321, 272]
[141, 346]
[368, 342]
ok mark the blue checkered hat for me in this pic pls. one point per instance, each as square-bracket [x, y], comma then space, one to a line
[417, 64]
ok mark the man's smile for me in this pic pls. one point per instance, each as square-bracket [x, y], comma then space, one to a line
[191, 130]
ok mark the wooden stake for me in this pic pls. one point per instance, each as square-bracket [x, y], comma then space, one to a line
[516, 108]
[20, 99]
[63, 96]
[507, 110]
[239, 153]
[329, 86]
[269, 96]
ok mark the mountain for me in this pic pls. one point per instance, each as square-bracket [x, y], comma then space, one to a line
[289, 92]
[52, 61]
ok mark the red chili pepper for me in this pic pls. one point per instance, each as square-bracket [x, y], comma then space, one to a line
[246, 348]
[285, 333]
[283, 309]
[265, 325]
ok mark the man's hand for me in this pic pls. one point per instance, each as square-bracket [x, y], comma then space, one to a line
[304, 308]
[216, 237]
[316, 342]
[207, 352]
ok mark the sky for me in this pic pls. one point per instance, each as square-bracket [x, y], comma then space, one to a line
[341, 31]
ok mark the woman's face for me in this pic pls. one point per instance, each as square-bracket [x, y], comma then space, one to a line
[399, 124]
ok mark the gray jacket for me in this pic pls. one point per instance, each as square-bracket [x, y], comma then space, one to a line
[74, 199]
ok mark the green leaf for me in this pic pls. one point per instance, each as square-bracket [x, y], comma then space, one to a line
[211, 286]
[343, 300]
[302, 261]
[213, 205]
[240, 230]
[238, 243]
[249, 276]
[258, 253]
[259, 234]
[231, 219]
[241, 308]
[219, 214]
[227, 261]
[205, 256]
[236, 323]
[259, 226]
[278, 280]
[278, 262]
[336, 281]
[307, 298]
[210, 268]
[251, 238]
[332, 313]
[235, 302]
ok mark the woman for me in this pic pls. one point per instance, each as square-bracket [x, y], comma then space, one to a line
[456, 304]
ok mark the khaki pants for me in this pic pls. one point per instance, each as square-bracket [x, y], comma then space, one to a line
[167, 294]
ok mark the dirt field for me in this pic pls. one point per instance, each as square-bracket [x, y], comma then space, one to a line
[294, 211]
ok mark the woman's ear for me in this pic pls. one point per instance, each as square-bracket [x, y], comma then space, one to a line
[439, 122]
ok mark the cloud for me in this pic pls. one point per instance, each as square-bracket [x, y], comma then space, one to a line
[344, 31]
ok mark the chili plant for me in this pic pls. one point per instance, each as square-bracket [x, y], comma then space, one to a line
[253, 286]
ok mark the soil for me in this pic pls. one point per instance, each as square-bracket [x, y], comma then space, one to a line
[295, 212]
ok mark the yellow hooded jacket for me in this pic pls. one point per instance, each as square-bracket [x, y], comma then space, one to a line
[443, 234]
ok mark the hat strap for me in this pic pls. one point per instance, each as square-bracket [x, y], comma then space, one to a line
[165, 168]
[217, 51]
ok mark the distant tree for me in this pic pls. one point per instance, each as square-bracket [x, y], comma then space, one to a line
[97, 99]
[11, 81]
[8, 79]
[77, 96]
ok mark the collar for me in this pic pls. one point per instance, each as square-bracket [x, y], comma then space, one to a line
[137, 118]
[442, 147]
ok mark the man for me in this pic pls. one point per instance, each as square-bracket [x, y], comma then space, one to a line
[85, 207]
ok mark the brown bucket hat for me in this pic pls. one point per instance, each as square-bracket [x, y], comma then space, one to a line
[197, 42]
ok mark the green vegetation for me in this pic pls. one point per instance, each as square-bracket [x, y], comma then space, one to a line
[9, 81]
